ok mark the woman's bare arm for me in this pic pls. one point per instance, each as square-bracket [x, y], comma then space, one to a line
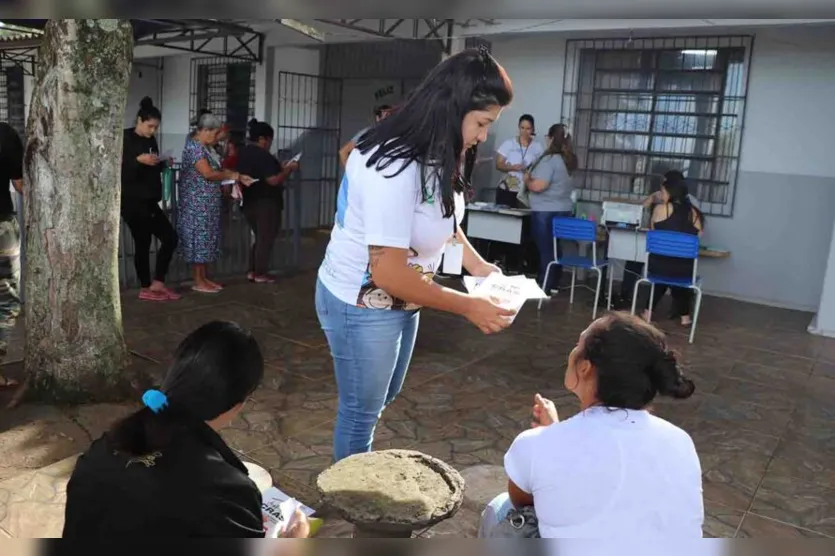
[518, 497]
[211, 174]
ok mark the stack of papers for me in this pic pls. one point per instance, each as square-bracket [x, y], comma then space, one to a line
[278, 509]
[510, 292]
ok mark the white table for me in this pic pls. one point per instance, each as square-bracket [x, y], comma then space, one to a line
[492, 223]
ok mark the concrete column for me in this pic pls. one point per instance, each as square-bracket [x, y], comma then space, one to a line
[824, 322]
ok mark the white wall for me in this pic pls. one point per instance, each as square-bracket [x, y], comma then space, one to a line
[780, 233]
[145, 81]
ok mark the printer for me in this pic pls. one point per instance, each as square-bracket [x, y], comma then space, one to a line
[622, 215]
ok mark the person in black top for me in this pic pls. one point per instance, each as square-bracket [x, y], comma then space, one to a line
[165, 471]
[141, 195]
[675, 212]
[263, 201]
[11, 170]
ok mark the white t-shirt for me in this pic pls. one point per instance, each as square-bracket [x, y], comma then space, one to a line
[374, 208]
[610, 474]
[514, 153]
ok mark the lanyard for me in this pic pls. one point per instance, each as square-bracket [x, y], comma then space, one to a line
[454, 223]
[524, 152]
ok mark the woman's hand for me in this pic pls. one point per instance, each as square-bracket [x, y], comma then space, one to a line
[300, 528]
[485, 269]
[246, 181]
[487, 315]
[544, 412]
[148, 159]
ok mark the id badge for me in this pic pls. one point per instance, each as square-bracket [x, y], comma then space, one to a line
[453, 258]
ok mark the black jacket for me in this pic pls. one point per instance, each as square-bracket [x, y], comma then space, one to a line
[140, 181]
[197, 488]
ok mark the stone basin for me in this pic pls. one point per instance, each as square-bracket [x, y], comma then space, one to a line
[392, 493]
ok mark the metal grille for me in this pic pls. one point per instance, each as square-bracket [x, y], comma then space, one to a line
[640, 107]
[309, 121]
[226, 87]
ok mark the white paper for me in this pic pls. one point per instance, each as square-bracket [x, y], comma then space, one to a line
[278, 509]
[228, 182]
[509, 292]
[453, 258]
[296, 158]
[472, 283]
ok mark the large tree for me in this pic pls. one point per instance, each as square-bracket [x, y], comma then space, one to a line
[75, 348]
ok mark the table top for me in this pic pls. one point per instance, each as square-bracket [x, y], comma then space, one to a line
[489, 207]
[705, 251]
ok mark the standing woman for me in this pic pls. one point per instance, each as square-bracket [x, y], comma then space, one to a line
[141, 195]
[513, 158]
[399, 206]
[201, 199]
[264, 200]
[550, 184]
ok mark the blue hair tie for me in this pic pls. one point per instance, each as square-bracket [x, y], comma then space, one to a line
[155, 400]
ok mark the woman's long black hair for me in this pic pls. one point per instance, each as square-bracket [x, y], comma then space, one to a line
[215, 369]
[676, 185]
[426, 128]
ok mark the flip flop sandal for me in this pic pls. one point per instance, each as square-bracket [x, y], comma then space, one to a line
[199, 289]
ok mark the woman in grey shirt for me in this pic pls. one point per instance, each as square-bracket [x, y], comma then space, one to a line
[550, 183]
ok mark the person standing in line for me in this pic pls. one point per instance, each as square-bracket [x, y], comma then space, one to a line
[399, 207]
[141, 195]
[379, 113]
[263, 201]
[201, 199]
[11, 170]
[550, 184]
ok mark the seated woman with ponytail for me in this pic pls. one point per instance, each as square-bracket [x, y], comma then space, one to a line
[165, 471]
[614, 470]
[674, 211]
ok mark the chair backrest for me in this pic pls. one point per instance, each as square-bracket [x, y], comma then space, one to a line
[575, 229]
[673, 244]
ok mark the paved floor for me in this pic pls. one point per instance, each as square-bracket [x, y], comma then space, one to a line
[763, 417]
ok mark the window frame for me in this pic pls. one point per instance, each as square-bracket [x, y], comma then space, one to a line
[712, 153]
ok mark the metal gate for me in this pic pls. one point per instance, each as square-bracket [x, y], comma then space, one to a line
[309, 121]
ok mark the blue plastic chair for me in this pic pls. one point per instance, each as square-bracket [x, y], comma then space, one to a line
[680, 246]
[584, 231]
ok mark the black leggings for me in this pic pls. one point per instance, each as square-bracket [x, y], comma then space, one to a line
[682, 299]
[145, 219]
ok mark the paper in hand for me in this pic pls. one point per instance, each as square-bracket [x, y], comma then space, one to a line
[509, 292]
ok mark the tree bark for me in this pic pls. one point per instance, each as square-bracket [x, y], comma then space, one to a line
[75, 347]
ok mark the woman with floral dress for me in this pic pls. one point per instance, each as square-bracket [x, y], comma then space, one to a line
[200, 201]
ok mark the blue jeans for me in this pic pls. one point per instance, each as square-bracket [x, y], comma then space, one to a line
[495, 512]
[371, 352]
[542, 230]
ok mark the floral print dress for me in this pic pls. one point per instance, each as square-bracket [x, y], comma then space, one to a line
[198, 222]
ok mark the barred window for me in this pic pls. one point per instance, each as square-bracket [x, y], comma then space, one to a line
[225, 87]
[639, 108]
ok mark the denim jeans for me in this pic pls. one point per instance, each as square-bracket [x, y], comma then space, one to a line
[495, 512]
[371, 352]
[542, 230]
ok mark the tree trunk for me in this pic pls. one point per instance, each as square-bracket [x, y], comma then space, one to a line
[75, 347]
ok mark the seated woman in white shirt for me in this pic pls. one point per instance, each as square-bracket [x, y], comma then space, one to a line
[614, 470]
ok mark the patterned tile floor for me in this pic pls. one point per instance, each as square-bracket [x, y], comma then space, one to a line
[763, 417]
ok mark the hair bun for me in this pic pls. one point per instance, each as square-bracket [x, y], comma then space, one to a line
[146, 103]
[667, 378]
[253, 121]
